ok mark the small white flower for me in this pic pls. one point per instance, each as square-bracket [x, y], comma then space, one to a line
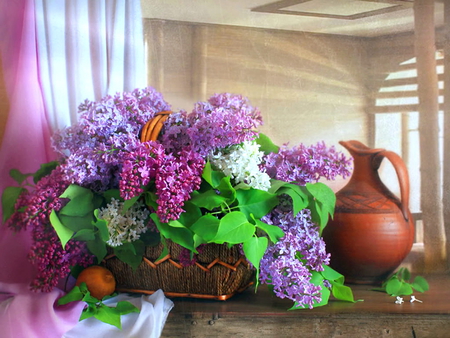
[399, 300]
[241, 163]
[126, 227]
[414, 299]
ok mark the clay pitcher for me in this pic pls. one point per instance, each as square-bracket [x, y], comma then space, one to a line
[372, 230]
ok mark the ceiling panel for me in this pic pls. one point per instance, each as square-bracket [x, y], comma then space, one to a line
[361, 18]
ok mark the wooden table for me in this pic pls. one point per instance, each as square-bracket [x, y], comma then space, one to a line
[264, 315]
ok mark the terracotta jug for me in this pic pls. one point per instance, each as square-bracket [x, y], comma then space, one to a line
[372, 230]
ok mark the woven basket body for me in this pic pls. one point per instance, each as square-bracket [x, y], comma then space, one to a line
[219, 272]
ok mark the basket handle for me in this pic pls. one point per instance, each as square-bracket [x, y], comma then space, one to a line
[152, 128]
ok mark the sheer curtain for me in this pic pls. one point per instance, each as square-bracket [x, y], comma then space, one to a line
[87, 49]
[56, 54]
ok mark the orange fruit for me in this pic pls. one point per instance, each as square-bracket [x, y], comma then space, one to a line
[99, 281]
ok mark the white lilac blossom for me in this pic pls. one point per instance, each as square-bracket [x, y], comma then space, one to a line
[125, 227]
[399, 300]
[242, 163]
[414, 299]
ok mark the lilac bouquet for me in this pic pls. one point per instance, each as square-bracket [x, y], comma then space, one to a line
[210, 177]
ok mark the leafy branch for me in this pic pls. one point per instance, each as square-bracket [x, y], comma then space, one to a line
[399, 284]
[96, 308]
[332, 283]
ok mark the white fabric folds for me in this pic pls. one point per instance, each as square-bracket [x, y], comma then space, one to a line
[146, 324]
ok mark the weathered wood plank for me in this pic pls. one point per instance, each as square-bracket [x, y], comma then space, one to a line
[262, 314]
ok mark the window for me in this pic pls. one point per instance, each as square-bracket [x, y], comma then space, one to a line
[397, 126]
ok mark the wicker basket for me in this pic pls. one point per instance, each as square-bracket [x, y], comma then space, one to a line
[218, 273]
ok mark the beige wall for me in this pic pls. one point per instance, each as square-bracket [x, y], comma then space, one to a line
[309, 87]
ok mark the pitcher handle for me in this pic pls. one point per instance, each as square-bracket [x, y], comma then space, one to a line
[403, 178]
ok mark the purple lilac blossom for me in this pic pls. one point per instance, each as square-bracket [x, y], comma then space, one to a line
[139, 167]
[46, 253]
[224, 120]
[281, 266]
[302, 164]
[176, 178]
[93, 149]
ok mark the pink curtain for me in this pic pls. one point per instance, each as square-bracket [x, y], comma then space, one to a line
[26, 140]
[25, 146]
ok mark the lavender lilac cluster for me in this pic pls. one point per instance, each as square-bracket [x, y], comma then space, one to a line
[107, 132]
[302, 164]
[287, 264]
[224, 120]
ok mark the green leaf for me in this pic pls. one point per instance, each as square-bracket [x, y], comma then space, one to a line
[211, 176]
[332, 275]
[393, 287]
[112, 193]
[102, 226]
[17, 176]
[198, 240]
[150, 238]
[97, 247]
[108, 315]
[341, 292]
[44, 170]
[420, 284]
[274, 232]
[72, 296]
[165, 250]
[227, 190]
[182, 236]
[299, 198]
[208, 200]
[254, 250]
[324, 203]
[322, 193]
[90, 299]
[74, 190]
[131, 253]
[127, 204]
[81, 201]
[75, 223]
[275, 185]
[234, 228]
[266, 144]
[256, 202]
[206, 227]
[90, 311]
[124, 307]
[9, 199]
[64, 234]
[405, 289]
[192, 214]
[84, 235]
[150, 199]
[403, 274]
